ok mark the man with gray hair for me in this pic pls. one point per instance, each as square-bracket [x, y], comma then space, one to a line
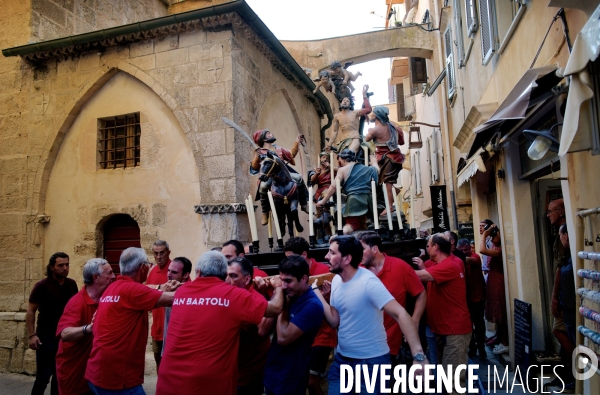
[156, 278]
[75, 328]
[205, 325]
[117, 359]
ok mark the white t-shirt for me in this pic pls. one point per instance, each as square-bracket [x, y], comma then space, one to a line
[359, 302]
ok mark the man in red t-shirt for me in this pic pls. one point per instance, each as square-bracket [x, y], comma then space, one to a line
[156, 278]
[447, 310]
[476, 295]
[75, 328]
[254, 339]
[121, 326]
[233, 249]
[399, 278]
[205, 324]
[326, 338]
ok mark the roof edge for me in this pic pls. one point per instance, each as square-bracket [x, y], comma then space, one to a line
[238, 6]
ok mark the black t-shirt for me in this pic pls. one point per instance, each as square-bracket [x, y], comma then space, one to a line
[51, 298]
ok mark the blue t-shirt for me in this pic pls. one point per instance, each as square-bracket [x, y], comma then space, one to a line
[287, 366]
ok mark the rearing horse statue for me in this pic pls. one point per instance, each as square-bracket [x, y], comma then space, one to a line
[284, 190]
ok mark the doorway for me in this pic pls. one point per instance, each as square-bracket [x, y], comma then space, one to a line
[120, 232]
[546, 190]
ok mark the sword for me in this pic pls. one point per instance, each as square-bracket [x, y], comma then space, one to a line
[242, 131]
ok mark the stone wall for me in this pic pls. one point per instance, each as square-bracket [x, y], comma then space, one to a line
[52, 19]
[192, 72]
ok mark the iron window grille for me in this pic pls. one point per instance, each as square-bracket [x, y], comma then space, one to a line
[119, 141]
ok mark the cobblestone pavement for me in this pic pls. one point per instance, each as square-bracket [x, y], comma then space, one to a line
[20, 384]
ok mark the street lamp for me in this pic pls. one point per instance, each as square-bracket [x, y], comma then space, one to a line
[543, 141]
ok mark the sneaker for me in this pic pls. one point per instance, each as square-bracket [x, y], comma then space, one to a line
[500, 349]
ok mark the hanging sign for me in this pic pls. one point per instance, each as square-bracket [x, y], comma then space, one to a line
[439, 205]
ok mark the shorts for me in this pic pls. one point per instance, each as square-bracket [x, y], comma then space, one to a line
[157, 346]
[319, 357]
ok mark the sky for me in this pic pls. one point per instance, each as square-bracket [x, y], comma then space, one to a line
[318, 19]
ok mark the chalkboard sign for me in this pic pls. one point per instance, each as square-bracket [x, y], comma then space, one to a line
[522, 321]
[465, 231]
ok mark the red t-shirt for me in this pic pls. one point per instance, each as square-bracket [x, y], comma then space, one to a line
[447, 299]
[72, 356]
[399, 278]
[252, 356]
[158, 276]
[326, 336]
[475, 280]
[120, 335]
[259, 273]
[204, 334]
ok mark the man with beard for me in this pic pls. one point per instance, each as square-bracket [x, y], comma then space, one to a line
[399, 278]
[75, 328]
[348, 122]
[50, 296]
[297, 325]
[265, 139]
[358, 301]
[355, 179]
[387, 139]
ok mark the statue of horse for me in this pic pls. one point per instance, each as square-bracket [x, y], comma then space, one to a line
[284, 190]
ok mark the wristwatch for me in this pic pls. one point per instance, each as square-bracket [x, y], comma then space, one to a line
[419, 357]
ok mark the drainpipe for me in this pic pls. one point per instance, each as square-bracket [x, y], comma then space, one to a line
[444, 126]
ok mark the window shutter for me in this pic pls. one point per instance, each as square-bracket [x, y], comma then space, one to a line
[488, 29]
[449, 62]
[471, 14]
[417, 167]
[460, 44]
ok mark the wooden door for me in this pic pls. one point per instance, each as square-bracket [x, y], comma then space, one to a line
[120, 232]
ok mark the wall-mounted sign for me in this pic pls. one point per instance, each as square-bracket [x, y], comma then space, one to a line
[439, 205]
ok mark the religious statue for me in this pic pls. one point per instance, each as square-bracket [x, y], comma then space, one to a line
[321, 177]
[387, 138]
[325, 82]
[346, 77]
[265, 139]
[348, 121]
[355, 180]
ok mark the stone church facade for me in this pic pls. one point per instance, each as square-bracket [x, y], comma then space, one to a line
[176, 75]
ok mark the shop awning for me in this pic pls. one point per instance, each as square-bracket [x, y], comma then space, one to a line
[426, 224]
[585, 50]
[534, 87]
[474, 164]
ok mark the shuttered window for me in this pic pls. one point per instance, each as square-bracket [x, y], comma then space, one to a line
[458, 25]
[489, 31]
[471, 17]
[450, 79]
[417, 172]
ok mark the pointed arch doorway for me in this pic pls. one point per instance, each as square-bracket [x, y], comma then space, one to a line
[120, 232]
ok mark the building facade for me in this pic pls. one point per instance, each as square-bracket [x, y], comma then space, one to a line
[112, 133]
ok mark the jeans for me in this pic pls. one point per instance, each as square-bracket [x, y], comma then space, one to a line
[334, 373]
[45, 363]
[432, 349]
[137, 390]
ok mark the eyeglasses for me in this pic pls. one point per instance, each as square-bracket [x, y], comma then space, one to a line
[548, 212]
